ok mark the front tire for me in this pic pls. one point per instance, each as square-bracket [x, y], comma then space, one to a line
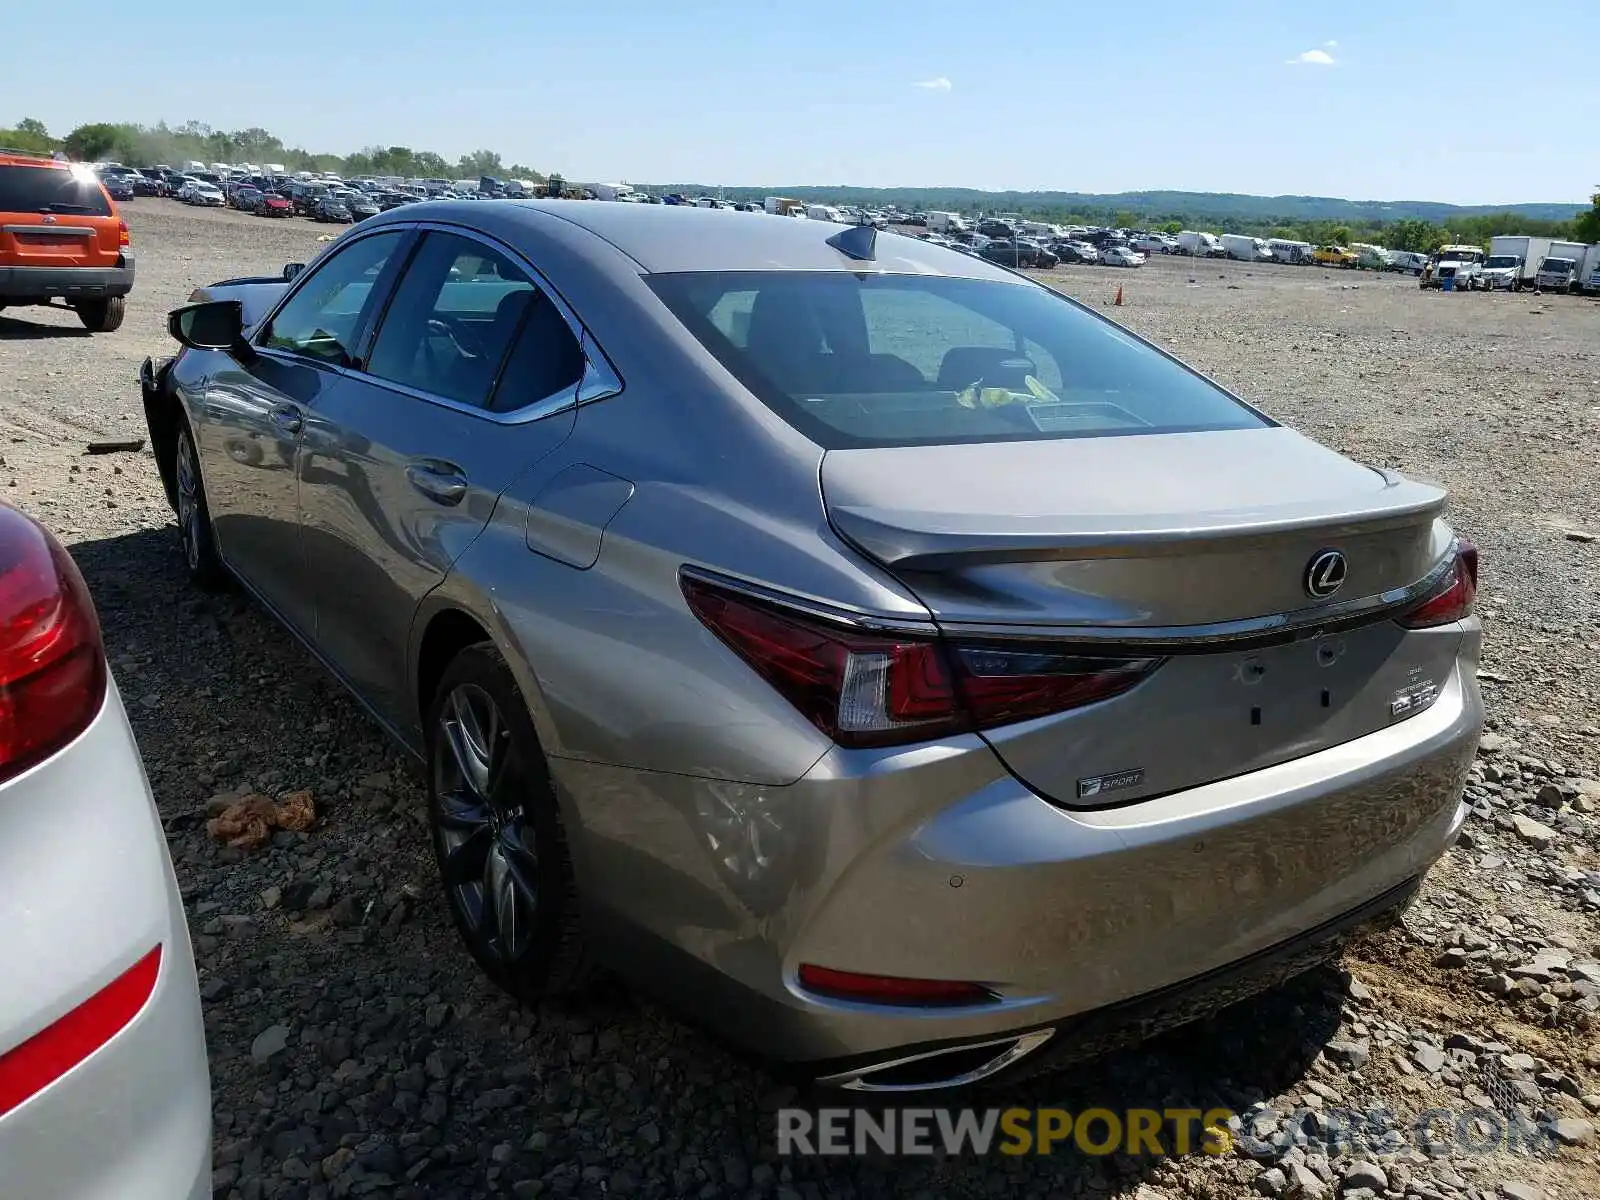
[103, 316]
[194, 517]
[497, 832]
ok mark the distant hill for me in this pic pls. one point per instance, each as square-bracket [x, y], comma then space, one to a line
[1194, 206]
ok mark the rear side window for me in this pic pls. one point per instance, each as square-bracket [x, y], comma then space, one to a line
[468, 324]
[891, 360]
[50, 190]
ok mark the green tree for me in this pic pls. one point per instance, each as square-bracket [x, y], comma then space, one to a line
[1340, 234]
[480, 162]
[1172, 227]
[89, 142]
[429, 165]
[1587, 227]
[30, 134]
[1421, 236]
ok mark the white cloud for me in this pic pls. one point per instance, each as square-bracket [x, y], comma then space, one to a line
[1315, 58]
[937, 84]
[1331, 44]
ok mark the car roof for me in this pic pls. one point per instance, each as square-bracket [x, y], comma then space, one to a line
[26, 158]
[666, 238]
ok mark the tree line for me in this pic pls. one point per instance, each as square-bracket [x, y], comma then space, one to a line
[152, 145]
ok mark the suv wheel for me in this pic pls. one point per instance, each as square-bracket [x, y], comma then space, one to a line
[102, 316]
[497, 832]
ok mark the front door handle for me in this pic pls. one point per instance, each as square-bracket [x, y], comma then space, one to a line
[286, 418]
[441, 482]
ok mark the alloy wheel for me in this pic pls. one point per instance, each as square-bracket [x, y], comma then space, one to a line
[487, 846]
[189, 515]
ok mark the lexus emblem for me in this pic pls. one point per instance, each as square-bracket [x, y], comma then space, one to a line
[48, 220]
[1325, 574]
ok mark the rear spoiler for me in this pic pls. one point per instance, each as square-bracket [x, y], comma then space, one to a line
[898, 540]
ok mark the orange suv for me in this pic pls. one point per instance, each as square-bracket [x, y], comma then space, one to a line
[61, 238]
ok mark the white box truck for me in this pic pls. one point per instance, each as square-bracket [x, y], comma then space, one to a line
[1559, 270]
[1589, 271]
[783, 206]
[1200, 245]
[1246, 248]
[825, 212]
[1530, 250]
[946, 222]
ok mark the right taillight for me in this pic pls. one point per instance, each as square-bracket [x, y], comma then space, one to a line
[880, 689]
[1453, 599]
[52, 666]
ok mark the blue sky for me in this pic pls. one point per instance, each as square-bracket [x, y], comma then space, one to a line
[1368, 99]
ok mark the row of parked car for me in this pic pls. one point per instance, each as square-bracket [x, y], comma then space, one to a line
[1005, 243]
[321, 199]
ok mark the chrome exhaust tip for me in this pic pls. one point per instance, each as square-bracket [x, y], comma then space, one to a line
[932, 1070]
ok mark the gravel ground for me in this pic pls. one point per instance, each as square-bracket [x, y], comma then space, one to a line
[356, 1051]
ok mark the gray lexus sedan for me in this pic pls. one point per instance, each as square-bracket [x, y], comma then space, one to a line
[908, 672]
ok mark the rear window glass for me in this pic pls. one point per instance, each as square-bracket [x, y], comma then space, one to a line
[50, 190]
[893, 360]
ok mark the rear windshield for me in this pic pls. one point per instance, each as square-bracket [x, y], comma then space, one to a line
[50, 190]
[895, 360]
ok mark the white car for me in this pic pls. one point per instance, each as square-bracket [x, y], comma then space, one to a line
[1121, 256]
[1088, 253]
[208, 196]
[103, 1083]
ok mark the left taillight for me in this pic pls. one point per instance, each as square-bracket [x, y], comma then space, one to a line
[124, 238]
[1452, 600]
[881, 689]
[52, 663]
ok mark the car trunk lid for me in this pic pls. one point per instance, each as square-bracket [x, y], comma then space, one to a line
[1198, 547]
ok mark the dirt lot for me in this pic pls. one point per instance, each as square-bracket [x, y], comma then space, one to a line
[356, 1051]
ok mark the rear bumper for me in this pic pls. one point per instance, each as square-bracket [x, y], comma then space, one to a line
[133, 1118]
[934, 863]
[66, 283]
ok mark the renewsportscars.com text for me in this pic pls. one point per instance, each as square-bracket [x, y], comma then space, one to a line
[1016, 1131]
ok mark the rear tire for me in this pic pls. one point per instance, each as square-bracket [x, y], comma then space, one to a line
[103, 316]
[194, 517]
[497, 832]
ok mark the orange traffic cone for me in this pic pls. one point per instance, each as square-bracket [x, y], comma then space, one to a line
[1118, 300]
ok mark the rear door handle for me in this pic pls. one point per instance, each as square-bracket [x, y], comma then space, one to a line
[287, 418]
[441, 482]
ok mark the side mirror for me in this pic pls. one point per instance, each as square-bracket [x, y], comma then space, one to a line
[212, 325]
[290, 270]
